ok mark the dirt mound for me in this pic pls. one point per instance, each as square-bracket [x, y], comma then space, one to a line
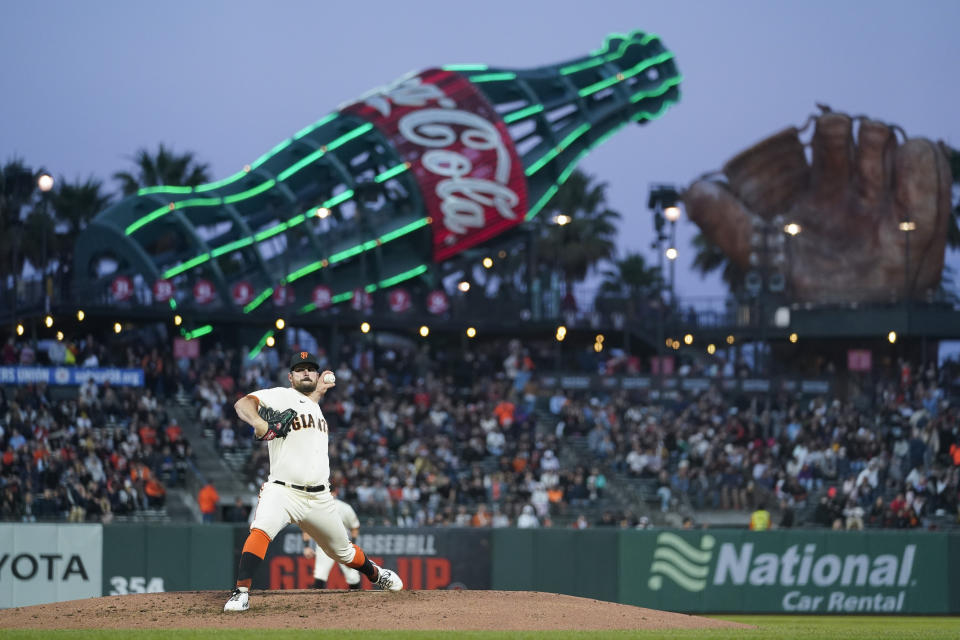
[416, 610]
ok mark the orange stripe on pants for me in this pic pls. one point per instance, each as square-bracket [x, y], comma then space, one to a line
[359, 557]
[257, 543]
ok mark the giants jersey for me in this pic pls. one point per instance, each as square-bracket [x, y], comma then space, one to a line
[301, 457]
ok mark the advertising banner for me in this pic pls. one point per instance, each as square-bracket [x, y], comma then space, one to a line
[41, 563]
[819, 572]
[65, 376]
[460, 152]
[423, 558]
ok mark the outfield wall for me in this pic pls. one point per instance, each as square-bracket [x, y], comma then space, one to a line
[730, 571]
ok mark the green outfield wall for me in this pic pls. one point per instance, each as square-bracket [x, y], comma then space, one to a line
[702, 571]
[145, 558]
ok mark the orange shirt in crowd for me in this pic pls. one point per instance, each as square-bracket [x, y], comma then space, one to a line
[208, 498]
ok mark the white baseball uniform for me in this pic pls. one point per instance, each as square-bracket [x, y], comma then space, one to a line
[323, 563]
[299, 465]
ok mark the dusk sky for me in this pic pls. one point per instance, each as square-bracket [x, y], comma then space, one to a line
[85, 84]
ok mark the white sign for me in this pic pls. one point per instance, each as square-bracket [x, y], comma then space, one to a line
[41, 563]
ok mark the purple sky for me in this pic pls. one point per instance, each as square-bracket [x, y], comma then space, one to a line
[84, 84]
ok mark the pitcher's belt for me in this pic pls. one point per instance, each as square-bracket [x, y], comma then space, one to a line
[300, 487]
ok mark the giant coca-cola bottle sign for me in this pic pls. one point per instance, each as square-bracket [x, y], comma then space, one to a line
[468, 170]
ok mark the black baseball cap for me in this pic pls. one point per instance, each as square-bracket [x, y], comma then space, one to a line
[303, 357]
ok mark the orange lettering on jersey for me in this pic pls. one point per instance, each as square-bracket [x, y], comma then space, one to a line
[296, 423]
[323, 425]
[311, 423]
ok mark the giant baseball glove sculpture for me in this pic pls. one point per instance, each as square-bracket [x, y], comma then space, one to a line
[856, 204]
[278, 422]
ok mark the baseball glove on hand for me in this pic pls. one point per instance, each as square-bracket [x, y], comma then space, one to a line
[278, 422]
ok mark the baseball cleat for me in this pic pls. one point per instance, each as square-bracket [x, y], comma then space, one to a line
[388, 580]
[239, 601]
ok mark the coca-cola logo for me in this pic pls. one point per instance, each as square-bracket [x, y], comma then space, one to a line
[204, 291]
[437, 302]
[399, 300]
[322, 296]
[162, 290]
[121, 288]
[242, 293]
[469, 173]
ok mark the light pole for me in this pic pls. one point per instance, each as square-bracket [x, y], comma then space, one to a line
[663, 202]
[45, 184]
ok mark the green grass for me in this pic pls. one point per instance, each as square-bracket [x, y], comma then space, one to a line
[779, 627]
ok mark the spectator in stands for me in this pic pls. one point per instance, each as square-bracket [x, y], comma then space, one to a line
[208, 499]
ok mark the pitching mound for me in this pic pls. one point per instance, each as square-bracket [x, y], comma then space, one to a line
[415, 610]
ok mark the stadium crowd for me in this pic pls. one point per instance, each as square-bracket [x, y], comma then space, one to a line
[468, 438]
[88, 455]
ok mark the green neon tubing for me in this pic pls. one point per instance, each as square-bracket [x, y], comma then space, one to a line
[552, 191]
[389, 173]
[189, 264]
[493, 77]
[313, 127]
[220, 183]
[465, 67]
[164, 189]
[249, 193]
[522, 113]
[629, 73]
[256, 302]
[370, 288]
[199, 331]
[231, 246]
[260, 345]
[553, 153]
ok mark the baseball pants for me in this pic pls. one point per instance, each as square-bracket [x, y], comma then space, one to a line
[314, 513]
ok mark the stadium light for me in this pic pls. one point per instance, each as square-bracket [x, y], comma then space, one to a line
[561, 333]
[892, 337]
[117, 327]
[562, 219]
[471, 332]
[688, 339]
[731, 339]
[711, 348]
[271, 341]
[672, 213]
[487, 262]
[676, 345]
[464, 286]
[48, 321]
[80, 315]
[671, 253]
[793, 228]
[45, 182]
[19, 328]
[60, 336]
[365, 327]
[600, 338]
[424, 331]
[794, 337]
[177, 320]
[280, 324]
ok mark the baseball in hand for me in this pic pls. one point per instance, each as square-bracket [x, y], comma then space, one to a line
[329, 378]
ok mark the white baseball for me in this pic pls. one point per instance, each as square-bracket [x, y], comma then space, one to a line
[329, 378]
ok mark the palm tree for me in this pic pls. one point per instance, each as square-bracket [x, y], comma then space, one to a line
[77, 203]
[588, 238]
[709, 258]
[631, 279]
[18, 187]
[165, 168]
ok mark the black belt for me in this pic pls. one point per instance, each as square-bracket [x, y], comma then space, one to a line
[319, 487]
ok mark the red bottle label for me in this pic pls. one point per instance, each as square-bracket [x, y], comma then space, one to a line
[470, 175]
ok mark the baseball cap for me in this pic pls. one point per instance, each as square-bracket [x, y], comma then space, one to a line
[303, 357]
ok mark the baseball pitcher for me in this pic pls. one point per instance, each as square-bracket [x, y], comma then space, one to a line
[297, 489]
[323, 563]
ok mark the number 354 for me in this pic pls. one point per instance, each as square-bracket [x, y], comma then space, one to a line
[135, 584]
